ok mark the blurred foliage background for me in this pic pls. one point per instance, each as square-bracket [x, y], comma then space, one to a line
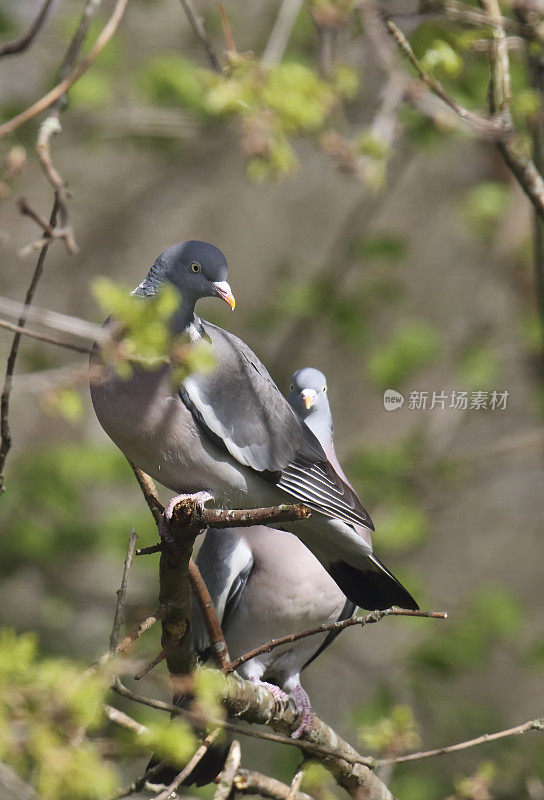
[399, 260]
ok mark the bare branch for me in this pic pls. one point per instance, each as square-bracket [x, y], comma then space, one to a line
[5, 433]
[279, 37]
[374, 616]
[122, 593]
[63, 232]
[48, 129]
[295, 783]
[213, 626]
[230, 768]
[21, 44]
[227, 30]
[517, 730]
[52, 319]
[52, 96]
[494, 129]
[159, 658]
[149, 491]
[499, 95]
[197, 24]
[122, 719]
[43, 337]
[190, 516]
[17, 788]
[249, 782]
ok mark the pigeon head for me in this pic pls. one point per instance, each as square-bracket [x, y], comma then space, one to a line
[196, 269]
[308, 392]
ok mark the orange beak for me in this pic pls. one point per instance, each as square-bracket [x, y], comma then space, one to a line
[223, 290]
[309, 397]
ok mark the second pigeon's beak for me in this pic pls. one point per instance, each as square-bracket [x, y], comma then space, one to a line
[308, 396]
[223, 290]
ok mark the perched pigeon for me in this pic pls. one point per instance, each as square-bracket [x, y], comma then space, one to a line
[265, 583]
[231, 433]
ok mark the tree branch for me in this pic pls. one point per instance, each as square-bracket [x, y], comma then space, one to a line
[517, 730]
[226, 778]
[213, 626]
[197, 24]
[254, 703]
[21, 44]
[52, 96]
[43, 337]
[5, 433]
[191, 517]
[374, 616]
[279, 37]
[121, 594]
[495, 129]
[249, 782]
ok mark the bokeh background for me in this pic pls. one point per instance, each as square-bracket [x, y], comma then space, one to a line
[417, 277]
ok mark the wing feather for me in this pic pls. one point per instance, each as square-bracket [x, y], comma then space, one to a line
[244, 413]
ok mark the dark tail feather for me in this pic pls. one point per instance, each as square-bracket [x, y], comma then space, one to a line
[207, 769]
[371, 585]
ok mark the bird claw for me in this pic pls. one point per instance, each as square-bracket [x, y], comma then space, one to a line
[275, 691]
[304, 707]
[200, 499]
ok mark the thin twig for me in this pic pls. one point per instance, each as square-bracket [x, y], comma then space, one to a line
[494, 129]
[197, 24]
[52, 96]
[63, 323]
[43, 337]
[17, 788]
[499, 95]
[122, 593]
[374, 616]
[5, 443]
[159, 658]
[21, 44]
[213, 626]
[227, 30]
[126, 643]
[190, 516]
[295, 784]
[228, 773]
[189, 767]
[250, 782]
[281, 32]
[120, 718]
[149, 491]
[531, 725]
[48, 129]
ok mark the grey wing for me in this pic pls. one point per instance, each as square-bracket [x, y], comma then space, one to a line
[225, 561]
[242, 406]
[243, 411]
[347, 612]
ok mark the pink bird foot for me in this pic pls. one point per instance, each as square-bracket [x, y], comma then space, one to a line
[275, 691]
[304, 707]
[164, 523]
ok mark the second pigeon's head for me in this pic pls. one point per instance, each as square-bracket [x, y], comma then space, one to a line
[196, 269]
[308, 397]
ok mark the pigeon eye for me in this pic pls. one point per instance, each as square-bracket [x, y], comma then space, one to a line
[195, 267]
[292, 387]
[324, 388]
